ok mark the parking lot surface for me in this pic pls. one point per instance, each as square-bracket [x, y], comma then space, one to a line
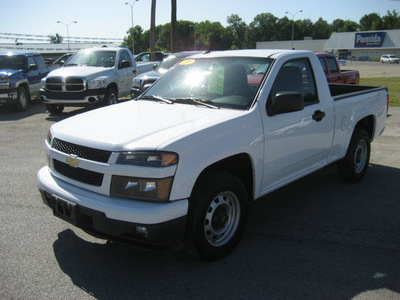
[318, 238]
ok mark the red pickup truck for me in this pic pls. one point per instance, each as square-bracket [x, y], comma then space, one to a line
[333, 72]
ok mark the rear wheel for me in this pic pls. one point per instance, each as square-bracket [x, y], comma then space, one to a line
[55, 109]
[355, 164]
[217, 215]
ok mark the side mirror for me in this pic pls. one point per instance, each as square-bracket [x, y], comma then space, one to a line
[285, 102]
[155, 66]
[125, 64]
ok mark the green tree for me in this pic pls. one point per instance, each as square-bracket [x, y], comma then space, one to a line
[305, 28]
[321, 30]
[262, 28]
[213, 36]
[391, 20]
[140, 46]
[284, 29]
[239, 29]
[367, 20]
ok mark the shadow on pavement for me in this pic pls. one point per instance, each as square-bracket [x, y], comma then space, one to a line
[317, 238]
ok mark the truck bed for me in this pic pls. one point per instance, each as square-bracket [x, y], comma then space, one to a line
[343, 91]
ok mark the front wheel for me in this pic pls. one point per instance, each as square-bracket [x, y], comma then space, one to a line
[55, 109]
[111, 96]
[355, 164]
[217, 215]
[22, 99]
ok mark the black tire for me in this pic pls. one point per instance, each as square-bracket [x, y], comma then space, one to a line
[111, 96]
[55, 109]
[22, 99]
[355, 164]
[217, 215]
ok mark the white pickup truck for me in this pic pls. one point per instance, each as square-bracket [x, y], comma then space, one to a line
[182, 162]
[89, 77]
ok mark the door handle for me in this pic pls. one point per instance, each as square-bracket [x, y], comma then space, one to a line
[318, 115]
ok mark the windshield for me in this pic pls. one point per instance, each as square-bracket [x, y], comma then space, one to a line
[93, 58]
[170, 61]
[11, 62]
[219, 82]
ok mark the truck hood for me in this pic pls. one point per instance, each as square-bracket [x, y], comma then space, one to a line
[8, 72]
[84, 71]
[138, 125]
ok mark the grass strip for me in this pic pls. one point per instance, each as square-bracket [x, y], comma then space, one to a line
[392, 83]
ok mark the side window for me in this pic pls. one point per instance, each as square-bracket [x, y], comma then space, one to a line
[295, 76]
[39, 62]
[124, 56]
[332, 64]
[145, 57]
[31, 62]
[322, 61]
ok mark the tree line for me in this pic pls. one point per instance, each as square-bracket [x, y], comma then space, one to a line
[208, 35]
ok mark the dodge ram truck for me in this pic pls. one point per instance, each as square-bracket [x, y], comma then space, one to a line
[333, 72]
[20, 76]
[180, 164]
[91, 76]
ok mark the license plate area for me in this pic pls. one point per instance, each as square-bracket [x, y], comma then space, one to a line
[64, 209]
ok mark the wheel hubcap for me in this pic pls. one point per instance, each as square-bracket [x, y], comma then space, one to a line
[360, 157]
[112, 99]
[22, 99]
[222, 219]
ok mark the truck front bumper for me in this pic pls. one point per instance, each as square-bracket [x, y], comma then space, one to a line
[8, 96]
[136, 222]
[83, 98]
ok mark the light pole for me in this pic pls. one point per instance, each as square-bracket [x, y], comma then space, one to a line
[293, 24]
[67, 25]
[133, 42]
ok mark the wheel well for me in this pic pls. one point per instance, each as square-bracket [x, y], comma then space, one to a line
[113, 85]
[367, 124]
[239, 165]
[26, 87]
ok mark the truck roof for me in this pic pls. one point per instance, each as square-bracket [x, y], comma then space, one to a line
[252, 53]
[18, 53]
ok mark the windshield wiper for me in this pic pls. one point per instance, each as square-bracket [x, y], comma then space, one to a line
[195, 101]
[155, 97]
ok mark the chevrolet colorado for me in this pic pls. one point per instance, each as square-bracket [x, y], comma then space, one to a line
[181, 163]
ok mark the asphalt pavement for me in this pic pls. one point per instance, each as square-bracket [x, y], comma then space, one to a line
[318, 238]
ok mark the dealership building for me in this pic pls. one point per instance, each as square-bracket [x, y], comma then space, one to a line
[360, 45]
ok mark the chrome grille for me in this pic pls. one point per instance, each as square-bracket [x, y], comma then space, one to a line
[67, 84]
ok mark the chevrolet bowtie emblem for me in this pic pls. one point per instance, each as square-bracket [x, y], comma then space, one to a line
[72, 160]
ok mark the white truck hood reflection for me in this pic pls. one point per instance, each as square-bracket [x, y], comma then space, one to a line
[77, 71]
[138, 125]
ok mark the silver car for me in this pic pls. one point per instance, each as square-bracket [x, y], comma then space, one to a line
[389, 58]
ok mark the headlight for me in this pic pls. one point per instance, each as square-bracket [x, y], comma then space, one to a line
[49, 137]
[155, 159]
[4, 84]
[96, 83]
[148, 189]
[43, 83]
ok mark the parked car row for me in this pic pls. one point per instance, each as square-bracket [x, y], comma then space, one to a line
[102, 75]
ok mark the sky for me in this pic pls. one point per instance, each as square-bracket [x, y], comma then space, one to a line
[112, 18]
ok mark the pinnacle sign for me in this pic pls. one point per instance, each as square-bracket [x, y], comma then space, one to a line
[369, 39]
